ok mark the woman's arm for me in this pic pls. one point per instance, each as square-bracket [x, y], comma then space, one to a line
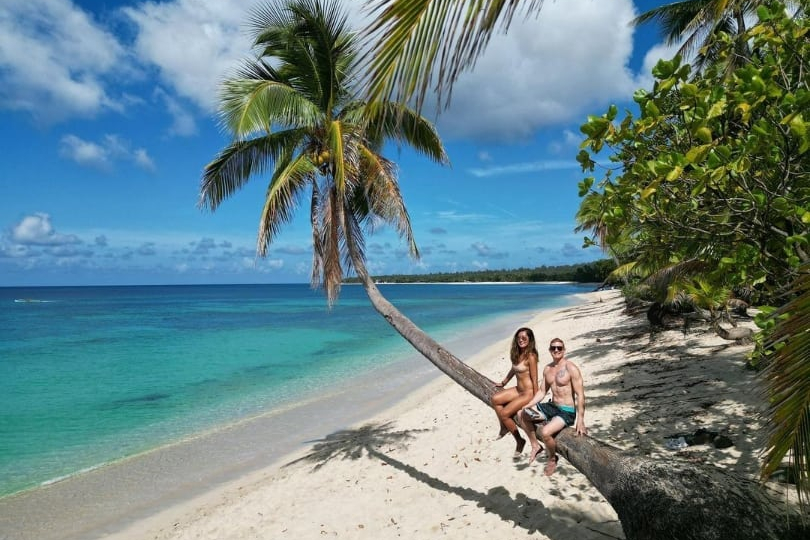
[508, 376]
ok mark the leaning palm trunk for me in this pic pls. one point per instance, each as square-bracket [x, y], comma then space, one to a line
[472, 381]
[677, 499]
[653, 499]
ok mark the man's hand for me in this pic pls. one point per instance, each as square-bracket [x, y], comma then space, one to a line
[580, 428]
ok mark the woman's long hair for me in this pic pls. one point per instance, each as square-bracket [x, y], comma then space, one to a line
[515, 352]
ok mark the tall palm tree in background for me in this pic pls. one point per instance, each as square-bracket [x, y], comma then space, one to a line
[292, 113]
[699, 24]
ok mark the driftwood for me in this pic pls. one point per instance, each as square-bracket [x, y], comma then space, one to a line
[657, 312]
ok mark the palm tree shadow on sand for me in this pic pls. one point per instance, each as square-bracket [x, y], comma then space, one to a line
[520, 510]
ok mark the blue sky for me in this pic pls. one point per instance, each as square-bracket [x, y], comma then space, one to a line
[109, 116]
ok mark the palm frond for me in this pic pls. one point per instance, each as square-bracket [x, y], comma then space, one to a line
[383, 196]
[590, 217]
[395, 121]
[661, 280]
[703, 293]
[240, 161]
[355, 244]
[335, 133]
[310, 42]
[317, 244]
[787, 385]
[626, 270]
[419, 44]
[252, 105]
[290, 178]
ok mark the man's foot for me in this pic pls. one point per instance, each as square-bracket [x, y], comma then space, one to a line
[551, 466]
[520, 442]
[535, 451]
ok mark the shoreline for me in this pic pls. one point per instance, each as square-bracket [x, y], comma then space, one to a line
[101, 500]
[427, 466]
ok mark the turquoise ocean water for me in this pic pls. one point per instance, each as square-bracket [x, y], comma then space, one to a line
[90, 375]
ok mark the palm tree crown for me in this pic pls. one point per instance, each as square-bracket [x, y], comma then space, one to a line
[698, 25]
[292, 113]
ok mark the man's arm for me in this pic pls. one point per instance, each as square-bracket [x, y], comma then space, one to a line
[579, 395]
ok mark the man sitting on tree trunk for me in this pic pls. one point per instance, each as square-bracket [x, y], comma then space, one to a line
[566, 408]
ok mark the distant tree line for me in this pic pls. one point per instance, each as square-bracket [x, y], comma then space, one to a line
[592, 272]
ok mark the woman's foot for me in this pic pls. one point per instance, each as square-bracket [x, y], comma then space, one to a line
[520, 442]
[502, 433]
[535, 451]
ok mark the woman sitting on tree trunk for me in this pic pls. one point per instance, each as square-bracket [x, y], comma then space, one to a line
[509, 401]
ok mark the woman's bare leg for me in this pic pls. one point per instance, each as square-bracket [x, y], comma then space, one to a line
[505, 414]
[499, 400]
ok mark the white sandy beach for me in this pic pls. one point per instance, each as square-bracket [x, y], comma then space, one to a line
[429, 467]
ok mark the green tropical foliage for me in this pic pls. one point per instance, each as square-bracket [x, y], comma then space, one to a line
[710, 187]
[293, 116]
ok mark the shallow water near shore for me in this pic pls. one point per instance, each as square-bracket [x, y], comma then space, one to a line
[93, 375]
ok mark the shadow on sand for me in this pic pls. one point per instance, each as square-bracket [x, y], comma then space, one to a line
[521, 510]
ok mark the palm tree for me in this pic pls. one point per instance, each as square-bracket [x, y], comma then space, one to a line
[291, 112]
[700, 23]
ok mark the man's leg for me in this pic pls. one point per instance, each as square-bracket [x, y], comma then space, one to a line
[527, 423]
[552, 427]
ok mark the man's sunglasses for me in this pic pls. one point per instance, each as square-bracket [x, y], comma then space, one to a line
[556, 348]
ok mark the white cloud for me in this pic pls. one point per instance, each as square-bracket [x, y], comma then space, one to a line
[102, 154]
[517, 168]
[37, 229]
[193, 44]
[142, 159]
[183, 123]
[546, 70]
[83, 152]
[53, 60]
